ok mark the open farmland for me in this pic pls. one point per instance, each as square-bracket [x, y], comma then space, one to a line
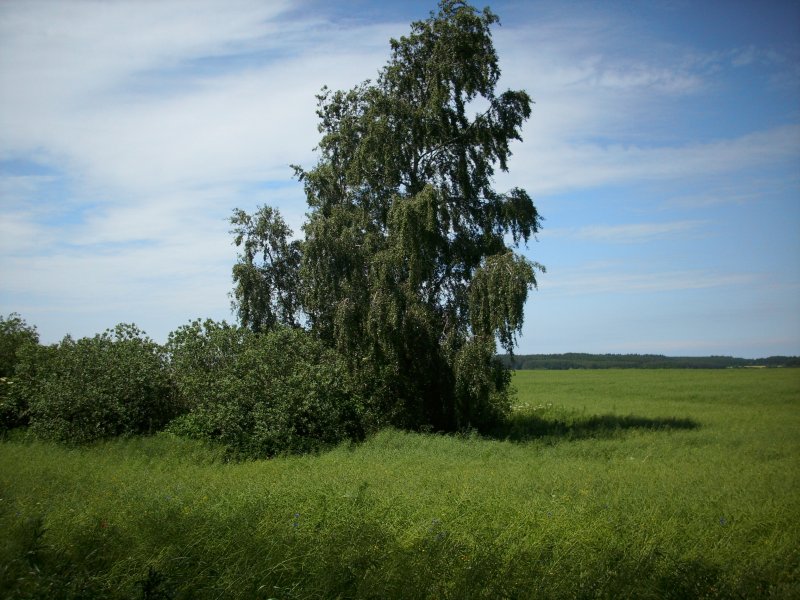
[647, 484]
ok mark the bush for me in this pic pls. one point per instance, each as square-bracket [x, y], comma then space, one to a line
[15, 336]
[261, 394]
[115, 383]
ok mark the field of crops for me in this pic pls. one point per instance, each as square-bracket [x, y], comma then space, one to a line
[606, 484]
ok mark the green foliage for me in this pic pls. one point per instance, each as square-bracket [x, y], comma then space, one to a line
[482, 385]
[261, 394]
[202, 354]
[115, 383]
[13, 409]
[408, 261]
[15, 336]
[265, 275]
[497, 297]
[613, 499]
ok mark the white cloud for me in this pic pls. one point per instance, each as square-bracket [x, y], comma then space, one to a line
[72, 88]
[753, 189]
[627, 233]
[61, 58]
[555, 166]
[602, 113]
[19, 233]
[579, 281]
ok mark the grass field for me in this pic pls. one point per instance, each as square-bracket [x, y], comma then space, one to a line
[607, 484]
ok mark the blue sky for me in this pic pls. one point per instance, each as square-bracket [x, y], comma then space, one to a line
[663, 152]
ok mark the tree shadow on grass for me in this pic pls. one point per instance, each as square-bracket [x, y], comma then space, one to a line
[528, 427]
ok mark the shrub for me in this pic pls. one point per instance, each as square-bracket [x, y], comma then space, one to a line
[261, 394]
[15, 336]
[115, 383]
[13, 412]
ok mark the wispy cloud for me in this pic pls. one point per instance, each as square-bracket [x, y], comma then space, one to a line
[568, 166]
[754, 189]
[622, 283]
[77, 89]
[605, 116]
[628, 233]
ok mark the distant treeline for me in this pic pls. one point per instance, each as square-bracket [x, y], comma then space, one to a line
[574, 360]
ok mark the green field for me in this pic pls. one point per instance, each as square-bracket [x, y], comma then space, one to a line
[607, 484]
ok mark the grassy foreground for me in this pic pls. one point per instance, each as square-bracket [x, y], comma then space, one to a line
[609, 484]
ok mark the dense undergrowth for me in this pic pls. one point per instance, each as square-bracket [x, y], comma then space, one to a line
[263, 394]
[646, 484]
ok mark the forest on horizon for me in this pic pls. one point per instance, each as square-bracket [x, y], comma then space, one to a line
[578, 360]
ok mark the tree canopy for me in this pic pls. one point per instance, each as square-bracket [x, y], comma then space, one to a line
[265, 276]
[408, 265]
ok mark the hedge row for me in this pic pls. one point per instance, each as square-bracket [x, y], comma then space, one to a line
[261, 394]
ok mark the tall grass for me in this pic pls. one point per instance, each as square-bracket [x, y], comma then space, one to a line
[647, 484]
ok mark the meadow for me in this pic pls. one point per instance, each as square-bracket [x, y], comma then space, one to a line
[605, 484]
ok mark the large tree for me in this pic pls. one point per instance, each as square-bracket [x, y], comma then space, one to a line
[408, 263]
